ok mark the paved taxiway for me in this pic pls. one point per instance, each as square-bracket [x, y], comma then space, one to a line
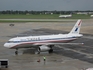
[65, 57]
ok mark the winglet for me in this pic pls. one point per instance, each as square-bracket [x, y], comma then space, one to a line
[76, 28]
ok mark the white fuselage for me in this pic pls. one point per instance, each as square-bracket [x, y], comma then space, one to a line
[65, 16]
[23, 42]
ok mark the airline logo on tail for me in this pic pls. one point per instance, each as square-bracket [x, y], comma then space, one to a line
[79, 23]
[78, 26]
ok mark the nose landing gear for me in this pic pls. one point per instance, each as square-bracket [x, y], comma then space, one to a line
[16, 52]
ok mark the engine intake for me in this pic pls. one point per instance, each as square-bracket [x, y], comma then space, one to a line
[43, 48]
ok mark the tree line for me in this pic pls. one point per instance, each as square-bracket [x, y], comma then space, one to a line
[40, 12]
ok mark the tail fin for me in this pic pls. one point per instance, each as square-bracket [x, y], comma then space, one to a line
[76, 28]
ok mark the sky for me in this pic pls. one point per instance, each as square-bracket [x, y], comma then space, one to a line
[48, 5]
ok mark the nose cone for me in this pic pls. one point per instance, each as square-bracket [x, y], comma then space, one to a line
[6, 45]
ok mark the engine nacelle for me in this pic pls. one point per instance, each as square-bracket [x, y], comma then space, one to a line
[43, 48]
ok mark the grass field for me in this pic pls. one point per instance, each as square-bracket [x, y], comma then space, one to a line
[54, 16]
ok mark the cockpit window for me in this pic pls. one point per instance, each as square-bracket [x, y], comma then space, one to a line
[13, 42]
[9, 41]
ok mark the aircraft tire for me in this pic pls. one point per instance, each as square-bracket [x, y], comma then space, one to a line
[50, 51]
[16, 52]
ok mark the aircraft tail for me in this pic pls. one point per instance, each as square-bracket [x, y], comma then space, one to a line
[76, 28]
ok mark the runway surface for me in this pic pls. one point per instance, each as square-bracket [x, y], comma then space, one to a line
[72, 57]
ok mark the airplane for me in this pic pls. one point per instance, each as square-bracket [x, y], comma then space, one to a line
[65, 16]
[45, 42]
[91, 15]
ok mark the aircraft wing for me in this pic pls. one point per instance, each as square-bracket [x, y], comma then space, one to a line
[58, 43]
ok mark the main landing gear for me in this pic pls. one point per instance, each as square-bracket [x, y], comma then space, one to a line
[38, 52]
[50, 51]
[16, 52]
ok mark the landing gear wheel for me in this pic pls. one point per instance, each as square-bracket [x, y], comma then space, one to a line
[38, 52]
[16, 52]
[50, 51]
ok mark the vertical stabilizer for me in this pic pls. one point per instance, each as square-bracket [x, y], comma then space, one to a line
[76, 28]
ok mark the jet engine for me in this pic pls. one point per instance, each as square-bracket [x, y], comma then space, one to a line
[43, 48]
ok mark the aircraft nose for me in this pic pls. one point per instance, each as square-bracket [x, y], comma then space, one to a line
[6, 45]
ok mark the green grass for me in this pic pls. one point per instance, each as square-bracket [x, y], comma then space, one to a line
[54, 16]
[81, 16]
[7, 16]
[42, 16]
